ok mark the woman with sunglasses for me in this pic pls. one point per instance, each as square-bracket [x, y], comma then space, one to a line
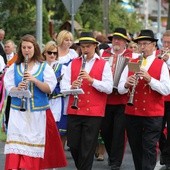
[56, 99]
[32, 132]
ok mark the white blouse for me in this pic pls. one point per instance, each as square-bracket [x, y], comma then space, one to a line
[69, 56]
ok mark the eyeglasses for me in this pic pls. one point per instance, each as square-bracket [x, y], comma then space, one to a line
[50, 53]
[144, 44]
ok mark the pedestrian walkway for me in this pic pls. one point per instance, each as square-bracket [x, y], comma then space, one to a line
[97, 165]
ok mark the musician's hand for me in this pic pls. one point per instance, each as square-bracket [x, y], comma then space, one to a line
[143, 73]
[22, 85]
[29, 77]
[76, 84]
[131, 81]
[85, 75]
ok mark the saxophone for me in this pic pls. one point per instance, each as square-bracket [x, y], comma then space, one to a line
[23, 99]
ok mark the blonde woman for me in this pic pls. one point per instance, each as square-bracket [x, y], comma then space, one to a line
[134, 47]
[65, 56]
[64, 41]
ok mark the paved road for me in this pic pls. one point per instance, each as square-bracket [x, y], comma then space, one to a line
[127, 161]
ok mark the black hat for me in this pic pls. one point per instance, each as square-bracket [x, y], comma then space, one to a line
[121, 33]
[87, 38]
[146, 35]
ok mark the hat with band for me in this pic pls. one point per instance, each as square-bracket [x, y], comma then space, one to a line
[119, 33]
[146, 35]
[87, 38]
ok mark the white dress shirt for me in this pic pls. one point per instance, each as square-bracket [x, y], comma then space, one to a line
[162, 86]
[168, 63]
[9, 56]
[105, 85]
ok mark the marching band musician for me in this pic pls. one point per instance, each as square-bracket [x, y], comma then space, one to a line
[164, 142]
[144, 118]
[96, 81]
[113, 124]
[32, 132]
[56, 99]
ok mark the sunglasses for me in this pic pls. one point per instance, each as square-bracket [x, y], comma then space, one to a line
[50, 53]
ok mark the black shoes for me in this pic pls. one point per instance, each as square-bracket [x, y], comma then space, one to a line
[162, 162]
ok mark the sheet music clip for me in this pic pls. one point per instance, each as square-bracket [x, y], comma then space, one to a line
[72, 92]
[20, 93]
[134, 67]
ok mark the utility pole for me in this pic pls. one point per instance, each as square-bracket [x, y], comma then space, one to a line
[146, 13]
[72, 16]
[159, 16]
[106, 16]
[39, 22]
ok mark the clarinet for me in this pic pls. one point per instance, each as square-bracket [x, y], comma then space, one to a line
[75, 102]
[23, 99]
[132, 93]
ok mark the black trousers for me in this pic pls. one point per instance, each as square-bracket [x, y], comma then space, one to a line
[82, 137]
[113, 133]
[143, 134]
[164, 142]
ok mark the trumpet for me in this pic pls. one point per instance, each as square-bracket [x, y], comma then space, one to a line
[23, 99]
[163, 53]
[75, 102]
[132, 93]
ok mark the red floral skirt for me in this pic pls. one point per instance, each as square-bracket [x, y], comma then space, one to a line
[54, 156]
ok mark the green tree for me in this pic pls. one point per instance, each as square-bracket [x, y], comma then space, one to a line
[119, 17]
[19, 18]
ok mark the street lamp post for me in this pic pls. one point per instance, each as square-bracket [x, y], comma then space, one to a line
[159, 16]
[146, 13]
[106, 16]
[39, 22]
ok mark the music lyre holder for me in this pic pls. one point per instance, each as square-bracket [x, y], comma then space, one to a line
[75, 93]
[72, 91]
[20, 93]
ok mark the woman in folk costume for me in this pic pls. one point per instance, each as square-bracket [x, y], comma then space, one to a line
[32, 132]
[56, 99]
[65, 56]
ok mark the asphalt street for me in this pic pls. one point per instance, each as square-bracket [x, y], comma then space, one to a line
[126, 165]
